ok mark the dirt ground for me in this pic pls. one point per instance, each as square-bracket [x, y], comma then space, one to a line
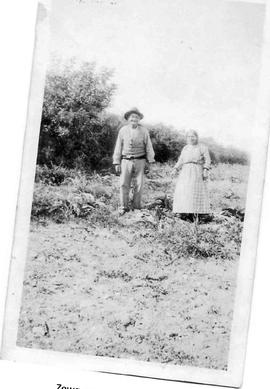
[145, 286]
[102, 292]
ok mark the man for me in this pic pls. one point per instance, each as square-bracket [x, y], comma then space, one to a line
[132, 155]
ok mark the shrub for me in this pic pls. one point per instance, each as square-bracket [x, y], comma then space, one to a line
[78, 196]
[220, 241]
[55, 175]
[168, 143]
[73, 132]
[76, 132]
[60, 204]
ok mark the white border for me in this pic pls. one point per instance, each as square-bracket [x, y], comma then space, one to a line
[247, 262]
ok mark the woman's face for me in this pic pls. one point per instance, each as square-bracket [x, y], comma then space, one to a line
[192, 139]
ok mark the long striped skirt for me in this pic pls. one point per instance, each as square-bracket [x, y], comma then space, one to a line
[191, 193]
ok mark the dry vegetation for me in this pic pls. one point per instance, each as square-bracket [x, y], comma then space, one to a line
[146, 286]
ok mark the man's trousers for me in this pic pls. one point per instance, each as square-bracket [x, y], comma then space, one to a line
[131, 169]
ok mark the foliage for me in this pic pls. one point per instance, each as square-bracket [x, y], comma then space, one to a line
[77, 132]
[168, 143]
[229, 154]
[227, 188]
[78, 195]
[95, 197]
[60, 204]
[100, 258]
[55, 175]
[220, 239]
[73, 132]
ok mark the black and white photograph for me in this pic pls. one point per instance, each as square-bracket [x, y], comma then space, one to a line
[141, 188]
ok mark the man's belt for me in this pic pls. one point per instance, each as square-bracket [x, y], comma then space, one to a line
[131, 157]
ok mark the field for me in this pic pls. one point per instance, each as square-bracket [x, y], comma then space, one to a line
[146, 286]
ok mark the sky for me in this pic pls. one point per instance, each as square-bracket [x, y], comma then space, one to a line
[185, 63]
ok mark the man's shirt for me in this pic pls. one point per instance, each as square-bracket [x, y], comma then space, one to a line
[133, 142]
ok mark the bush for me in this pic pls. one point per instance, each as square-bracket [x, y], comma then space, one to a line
[168, 143]
[73, 132]
[220, 241]
[78, 195]
[76, 132]
[55, 175]
[60, 205]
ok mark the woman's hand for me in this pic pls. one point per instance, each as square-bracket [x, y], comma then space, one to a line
[205, 174]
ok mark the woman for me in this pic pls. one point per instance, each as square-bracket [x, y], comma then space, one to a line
[191, 194]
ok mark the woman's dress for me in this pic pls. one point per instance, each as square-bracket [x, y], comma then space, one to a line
[191, 193]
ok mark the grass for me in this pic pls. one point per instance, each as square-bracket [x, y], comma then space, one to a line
[79, 195]
[147, 285]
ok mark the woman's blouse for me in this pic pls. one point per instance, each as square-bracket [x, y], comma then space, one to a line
[197, 154]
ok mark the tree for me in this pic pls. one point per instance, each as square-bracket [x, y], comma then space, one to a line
[71, 127]
[167, 142]
[76, 131]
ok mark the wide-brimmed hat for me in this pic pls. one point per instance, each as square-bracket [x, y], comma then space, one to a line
[133, 110]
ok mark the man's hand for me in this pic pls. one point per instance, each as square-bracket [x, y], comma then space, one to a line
[147, 168]
[117, 169]
[174, 172]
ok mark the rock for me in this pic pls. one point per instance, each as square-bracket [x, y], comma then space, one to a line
[160, 278]
[88, 198]
[46, 329]
[41, 330]
[214, 310]
[144, 216]
[173, 335]
[130, 322]
[138, 216]
[100, 204]
[235, 179]
[233, 212]
[38, 331]
[231, 195]
[160, 202]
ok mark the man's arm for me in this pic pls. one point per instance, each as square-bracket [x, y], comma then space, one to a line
[118, 149]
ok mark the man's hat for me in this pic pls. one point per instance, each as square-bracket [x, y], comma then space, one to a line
[133, 110]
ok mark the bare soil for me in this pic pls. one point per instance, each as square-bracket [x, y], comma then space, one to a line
[123, 290]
